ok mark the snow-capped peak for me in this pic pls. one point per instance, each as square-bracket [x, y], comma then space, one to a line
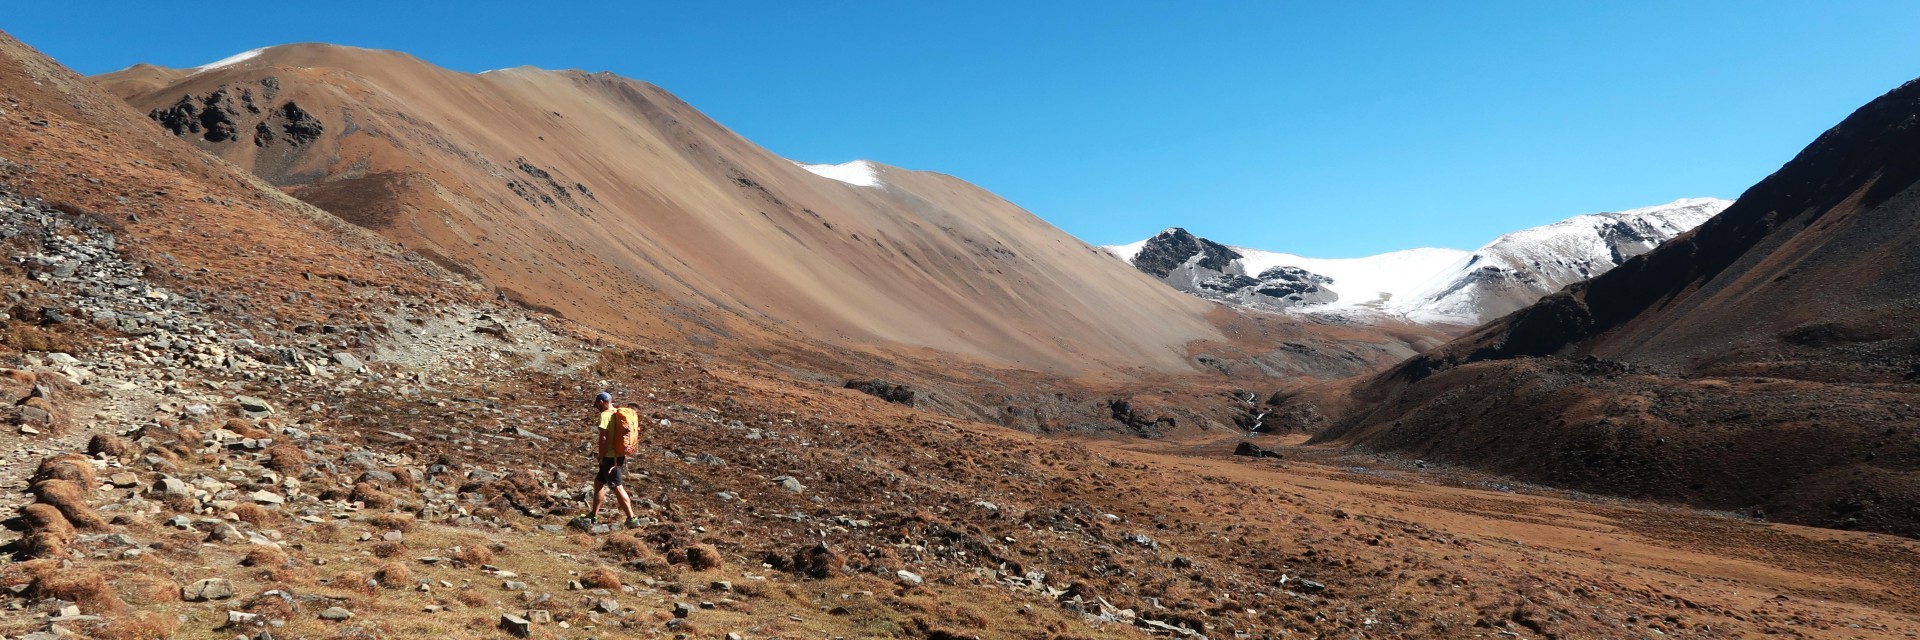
[1131, 250]
[1446, 286]
[859, 173]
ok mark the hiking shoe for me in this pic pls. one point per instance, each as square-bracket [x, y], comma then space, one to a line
[634, 523]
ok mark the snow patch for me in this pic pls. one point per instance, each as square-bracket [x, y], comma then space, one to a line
[231, 60]
[1126, 251]
[859, 173]
[1372, 282]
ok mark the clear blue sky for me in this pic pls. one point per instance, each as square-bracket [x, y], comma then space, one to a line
[1322, 128]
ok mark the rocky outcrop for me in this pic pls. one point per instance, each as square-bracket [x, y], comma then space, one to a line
[221, 114]
[1215, 271]
[1176, 248]
[890, 392]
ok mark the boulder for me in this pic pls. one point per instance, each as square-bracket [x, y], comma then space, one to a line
[515, 625]
[208, 589]
[254, 407]
[1255, 451]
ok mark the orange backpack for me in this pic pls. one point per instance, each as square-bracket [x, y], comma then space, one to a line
[622, 437]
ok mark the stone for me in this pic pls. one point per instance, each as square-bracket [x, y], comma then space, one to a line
[336, 614]
[123, 480]
[264, 496]
[1255, 451]
[30, 413]
[721, 585]
[241, 619]
[347, 361]
[224, 532]
[530, 435]
[26, 430]
[604, 605]
[539, 616]
[515, 625]
[790, 483]
[208, 589]
[511, 585]
[682, 609]
[254, 407]
[172, 487]
[909, 577]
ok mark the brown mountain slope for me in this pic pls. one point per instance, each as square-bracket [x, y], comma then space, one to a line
[614, 203]
[1765, 361]
[188, 218]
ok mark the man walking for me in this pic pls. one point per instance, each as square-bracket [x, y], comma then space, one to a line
[619, 437]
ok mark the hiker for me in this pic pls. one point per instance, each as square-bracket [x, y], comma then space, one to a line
[619, 437]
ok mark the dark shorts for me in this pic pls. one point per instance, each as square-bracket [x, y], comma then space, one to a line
[613, 471]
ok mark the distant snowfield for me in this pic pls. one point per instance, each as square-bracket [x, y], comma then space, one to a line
[1372, 282]
[231, 60]
[859, 173]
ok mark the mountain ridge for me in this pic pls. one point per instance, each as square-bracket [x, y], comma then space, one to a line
[711, 222]
[1424, 285]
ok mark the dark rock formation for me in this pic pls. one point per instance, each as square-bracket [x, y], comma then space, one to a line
[301, 127]
[1255, 451]
[1174, 247]
[890, 392]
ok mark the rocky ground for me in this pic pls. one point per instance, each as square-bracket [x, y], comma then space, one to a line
[415, 472]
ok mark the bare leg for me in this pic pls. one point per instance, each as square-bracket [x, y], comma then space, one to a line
[599, 494]
[626, 503]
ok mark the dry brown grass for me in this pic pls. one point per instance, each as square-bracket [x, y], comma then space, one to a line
[356, 582]
[255, 514]
[72, 467]
[388, 549]
[31, 338]
[46, 519]
[146, 625]
[474, 554]
[271, 607]
[84, 587]
[470, 598]
[286, 459]
[703, 557]
[71, 499]
[394, 575]
[626, 547]
[169, 455]
[601, 578]
[177, 503]
[141, 590]
[264, 557]
[325, 532]
[371, 496]
[401, 522]
[111, 445]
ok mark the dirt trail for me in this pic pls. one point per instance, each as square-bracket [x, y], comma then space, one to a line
[1726, 574]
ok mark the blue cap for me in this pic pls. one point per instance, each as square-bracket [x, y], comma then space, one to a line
[603, 397]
